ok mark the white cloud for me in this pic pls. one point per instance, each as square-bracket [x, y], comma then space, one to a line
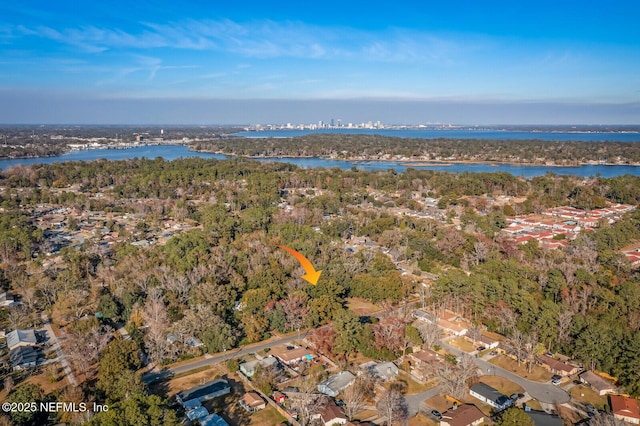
[257, 39]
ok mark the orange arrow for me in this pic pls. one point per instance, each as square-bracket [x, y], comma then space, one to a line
[311, 275]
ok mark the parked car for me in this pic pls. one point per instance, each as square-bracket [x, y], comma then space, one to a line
[436, 414]
[516, 396]
[556, 379]
[493, 353]
[481, 348]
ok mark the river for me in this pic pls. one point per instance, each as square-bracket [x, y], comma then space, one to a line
[172, 152]
[467, 133]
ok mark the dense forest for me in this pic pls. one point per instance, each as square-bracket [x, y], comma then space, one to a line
[377, 147]
[225, 282]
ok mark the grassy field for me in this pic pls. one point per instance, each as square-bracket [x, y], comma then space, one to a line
[413, 386]
[50, 380]
[586, 395]
[538, 374]
[534, 404]
[268, 416]
[462, 344]
[186, 381]
[504, 385]
[361, 306]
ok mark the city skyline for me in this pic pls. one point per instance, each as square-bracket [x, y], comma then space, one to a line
[272, 63]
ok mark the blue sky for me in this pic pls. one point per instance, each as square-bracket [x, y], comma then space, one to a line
[274, 62]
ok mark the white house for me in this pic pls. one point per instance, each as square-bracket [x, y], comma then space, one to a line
[335, 384]
[17, 338]
[489, 395]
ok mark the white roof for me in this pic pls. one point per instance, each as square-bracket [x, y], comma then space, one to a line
[17, 337]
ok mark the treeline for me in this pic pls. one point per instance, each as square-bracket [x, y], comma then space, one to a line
[376, 147]
[32, 151]
[583, 302]
[230, 179]
[227, 283]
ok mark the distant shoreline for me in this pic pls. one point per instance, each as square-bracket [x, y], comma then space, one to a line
[416, 163]
[358, 160]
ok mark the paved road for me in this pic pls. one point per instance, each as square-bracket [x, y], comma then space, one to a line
[215, 359]
[543, 392]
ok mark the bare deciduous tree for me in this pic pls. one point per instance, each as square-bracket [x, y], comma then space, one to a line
[156, 320]
[307, 401]
[356, 396]
[517, 342]
[393, 407]
[389, 333]
[430, 333]
[295, 311]
[83, 347]
[605, 419]
[564, 324]
[9, 384]
[453, 378]
[507, 318]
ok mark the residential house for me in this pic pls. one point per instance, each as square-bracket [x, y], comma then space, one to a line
[449, 322]
[289, 356]
[489, 340]
[423, 363]
[464, 415]
[452, 323]
[383, 370]
[335, 384]
[249, 368]
[331, 415]
[213, 420]
[23, 357]
[17, 338]
[540, 418]
[193, 397]
[598, 383]
[489, 395]
[424, 316]
[197, 413]
[556, 366]
[7, 299]
[251, 401]
[625, 409]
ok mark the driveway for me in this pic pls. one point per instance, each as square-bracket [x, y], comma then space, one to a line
[414, 401]
[543, 392]
[55, 345]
